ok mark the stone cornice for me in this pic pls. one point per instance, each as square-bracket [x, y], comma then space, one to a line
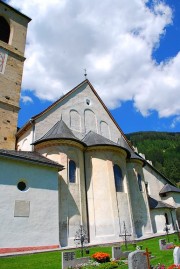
[12, 51]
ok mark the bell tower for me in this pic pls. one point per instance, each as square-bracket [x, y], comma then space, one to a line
[13, 29]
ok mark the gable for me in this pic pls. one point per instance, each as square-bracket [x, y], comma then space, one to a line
[82, 110]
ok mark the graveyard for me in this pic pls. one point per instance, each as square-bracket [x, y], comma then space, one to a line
[133, 255]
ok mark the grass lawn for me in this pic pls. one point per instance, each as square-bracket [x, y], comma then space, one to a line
[52, 260]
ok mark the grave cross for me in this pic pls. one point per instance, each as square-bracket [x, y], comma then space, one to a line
[125, 235]
[147, 254]
[166, 229]
[81, 238]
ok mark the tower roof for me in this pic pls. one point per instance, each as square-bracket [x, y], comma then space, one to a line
[59, 130]
[155, 204]
[169, 188]
[15, 10]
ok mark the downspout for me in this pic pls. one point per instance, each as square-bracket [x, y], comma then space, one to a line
[33, 133]
[87, 210]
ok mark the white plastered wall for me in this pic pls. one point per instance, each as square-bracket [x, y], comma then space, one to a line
[107, 209]
[75, 107]
[72, 196]
[41, 226]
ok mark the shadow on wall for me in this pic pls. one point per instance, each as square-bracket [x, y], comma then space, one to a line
[67, 209]
[178, 216]
[139, 209]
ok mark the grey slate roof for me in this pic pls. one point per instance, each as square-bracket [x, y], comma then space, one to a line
[169, 188]
[154, 204]
[29, 156]
[59, 130]
[92, 139]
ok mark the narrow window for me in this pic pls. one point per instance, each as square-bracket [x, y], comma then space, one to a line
[72, 171]
[166, 218]
[140, 182]
[4, 30]
[118, 178]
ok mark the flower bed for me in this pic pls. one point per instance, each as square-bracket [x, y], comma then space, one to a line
[101, 257]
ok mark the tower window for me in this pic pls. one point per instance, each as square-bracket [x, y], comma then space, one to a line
[118, 178]
[72, 171]
[4, 30]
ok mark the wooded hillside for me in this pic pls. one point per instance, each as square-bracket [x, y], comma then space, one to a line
[163, 149]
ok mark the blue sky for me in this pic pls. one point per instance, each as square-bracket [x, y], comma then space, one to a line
[131, 53]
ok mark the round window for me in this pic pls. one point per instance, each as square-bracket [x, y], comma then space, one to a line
[88, 102]
[21, 186]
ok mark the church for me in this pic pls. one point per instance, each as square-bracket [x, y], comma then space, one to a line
[71, 165]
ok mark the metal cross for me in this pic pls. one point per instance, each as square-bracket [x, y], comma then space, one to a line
[81, 238]
[125, 235]
[85, 74]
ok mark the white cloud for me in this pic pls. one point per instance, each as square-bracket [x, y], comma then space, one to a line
[175, 122]
[113, 40]
[26, 99]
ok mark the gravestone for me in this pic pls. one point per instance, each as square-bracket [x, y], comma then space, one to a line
[137, 260]
[162, 244]
[69, 260]
[116, 253]
[176, 255]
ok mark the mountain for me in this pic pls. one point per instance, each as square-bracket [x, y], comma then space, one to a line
[162, 148]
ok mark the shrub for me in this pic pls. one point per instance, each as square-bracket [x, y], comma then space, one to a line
[101, 257]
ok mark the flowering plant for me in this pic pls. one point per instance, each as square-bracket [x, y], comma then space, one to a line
[101, 257]
[170, 247]
[173, 266]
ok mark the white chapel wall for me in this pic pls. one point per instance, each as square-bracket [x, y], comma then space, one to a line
[40, 225]
[25, 141]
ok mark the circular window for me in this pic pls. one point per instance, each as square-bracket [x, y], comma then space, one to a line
[21, 186]
[88, 102]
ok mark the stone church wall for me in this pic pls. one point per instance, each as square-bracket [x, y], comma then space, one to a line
[11, 74]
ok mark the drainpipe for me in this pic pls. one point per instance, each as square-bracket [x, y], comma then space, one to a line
[31, 121]
[87, 210]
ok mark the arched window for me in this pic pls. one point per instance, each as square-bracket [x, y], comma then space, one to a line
[166, 218]
[4, 30]
[72, 171]
[118, 178]
[140, 182]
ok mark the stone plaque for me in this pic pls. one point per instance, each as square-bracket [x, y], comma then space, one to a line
[69, 260]
[3, 59]
[176, 255]
[69, 256]
[21, 208]
[137, 260]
